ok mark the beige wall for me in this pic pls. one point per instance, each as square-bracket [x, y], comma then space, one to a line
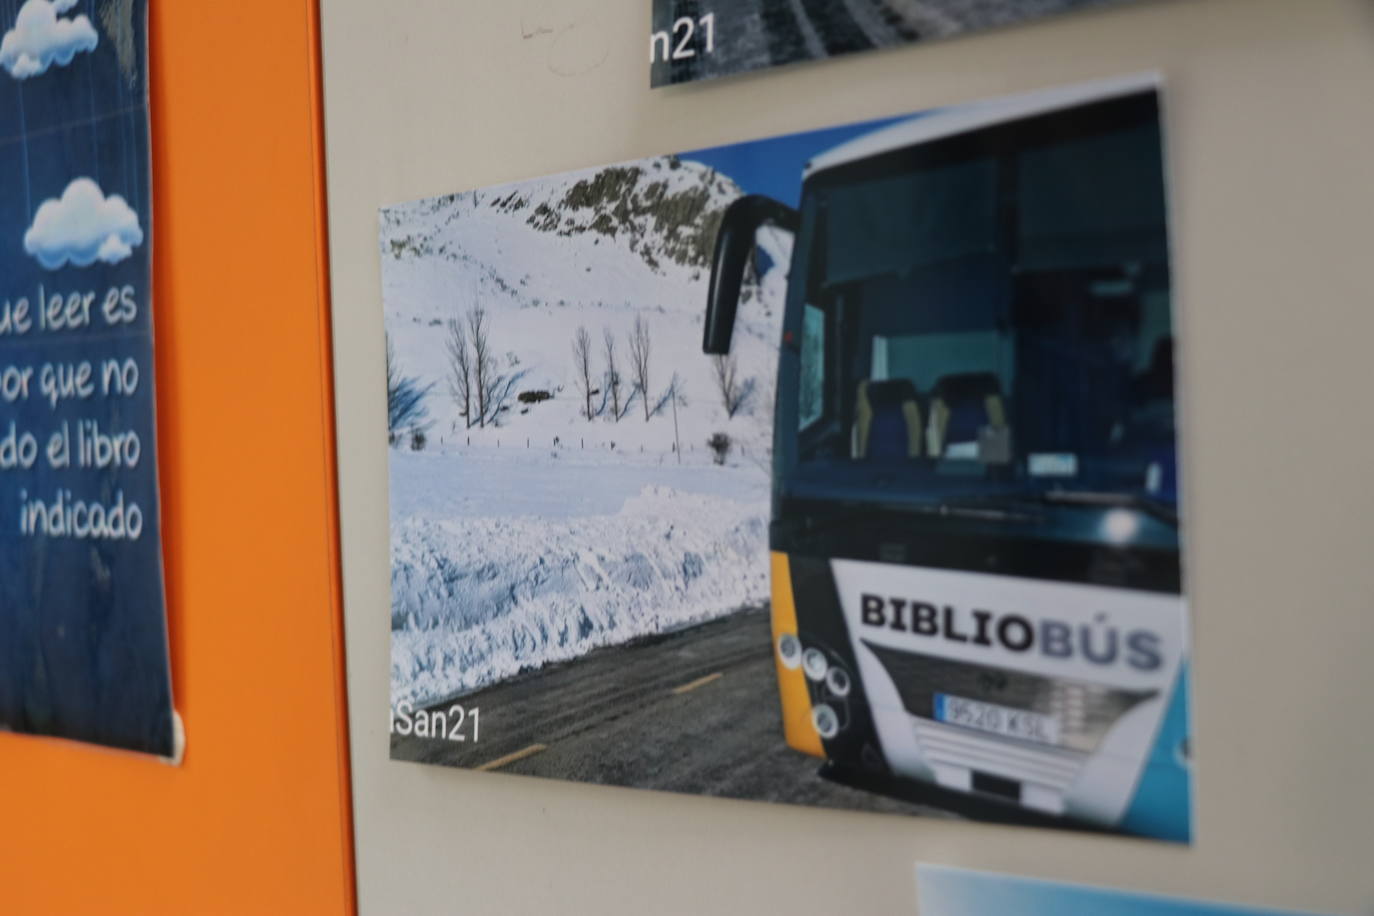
[1270, 129]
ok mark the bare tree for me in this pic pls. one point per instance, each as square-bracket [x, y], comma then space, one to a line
[612, 373]
[500, 389]
[639, 360]
[459, 369]
[483, 363]
[728, 383]
[676, 393]
[582, 361]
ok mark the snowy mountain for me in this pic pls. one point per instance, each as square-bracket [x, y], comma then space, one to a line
[588, 249]
[543, 533]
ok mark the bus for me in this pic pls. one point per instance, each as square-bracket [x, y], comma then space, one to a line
[975, 577]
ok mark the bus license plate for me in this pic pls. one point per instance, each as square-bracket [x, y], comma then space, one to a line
[997, 720]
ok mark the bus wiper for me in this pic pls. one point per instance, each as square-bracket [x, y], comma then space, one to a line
[1151, 507]
[985, 511]
[867, 514]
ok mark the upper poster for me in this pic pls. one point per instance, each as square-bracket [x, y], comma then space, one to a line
[836, 468]
[701, 39]
[83, 641]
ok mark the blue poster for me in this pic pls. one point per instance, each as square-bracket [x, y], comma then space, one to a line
[83, 636]
[958, 892]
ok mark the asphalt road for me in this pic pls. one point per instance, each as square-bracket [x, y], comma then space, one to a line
[695, 711]
[752, 34]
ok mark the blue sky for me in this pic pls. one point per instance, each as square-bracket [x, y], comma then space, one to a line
[774, 166]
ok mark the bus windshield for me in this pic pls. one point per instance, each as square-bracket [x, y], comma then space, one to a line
[989, 317]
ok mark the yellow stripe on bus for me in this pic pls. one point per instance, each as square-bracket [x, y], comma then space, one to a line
[796, 701]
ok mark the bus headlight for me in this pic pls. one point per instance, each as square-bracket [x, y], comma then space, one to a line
[825, 720]
[789, 650]
[837, 679]
[1120, 526]
[815, 665]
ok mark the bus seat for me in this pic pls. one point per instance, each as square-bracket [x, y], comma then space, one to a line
[961, 406]
[887, 420]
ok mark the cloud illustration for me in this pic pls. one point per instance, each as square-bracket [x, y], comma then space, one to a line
[83, 226]
[41, 38]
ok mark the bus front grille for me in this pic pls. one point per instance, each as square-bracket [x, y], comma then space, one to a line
[1084, 711]
[950, 749]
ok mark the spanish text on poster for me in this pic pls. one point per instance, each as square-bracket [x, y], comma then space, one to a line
[83, 645]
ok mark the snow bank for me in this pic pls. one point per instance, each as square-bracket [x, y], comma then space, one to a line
[476, 600]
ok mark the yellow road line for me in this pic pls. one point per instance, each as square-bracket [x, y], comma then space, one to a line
[699, 682]
[511, 758]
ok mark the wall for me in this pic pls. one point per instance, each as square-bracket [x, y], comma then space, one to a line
[1269, 129]
[257, 817]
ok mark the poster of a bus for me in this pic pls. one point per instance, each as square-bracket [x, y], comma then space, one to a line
[838, 468]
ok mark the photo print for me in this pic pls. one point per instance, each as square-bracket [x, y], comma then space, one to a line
[836, 468]
[83, 631]
[701, 39]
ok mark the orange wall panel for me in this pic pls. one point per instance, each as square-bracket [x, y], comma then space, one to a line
[257, 817]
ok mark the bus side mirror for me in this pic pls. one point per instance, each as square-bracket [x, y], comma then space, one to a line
[734, 245]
